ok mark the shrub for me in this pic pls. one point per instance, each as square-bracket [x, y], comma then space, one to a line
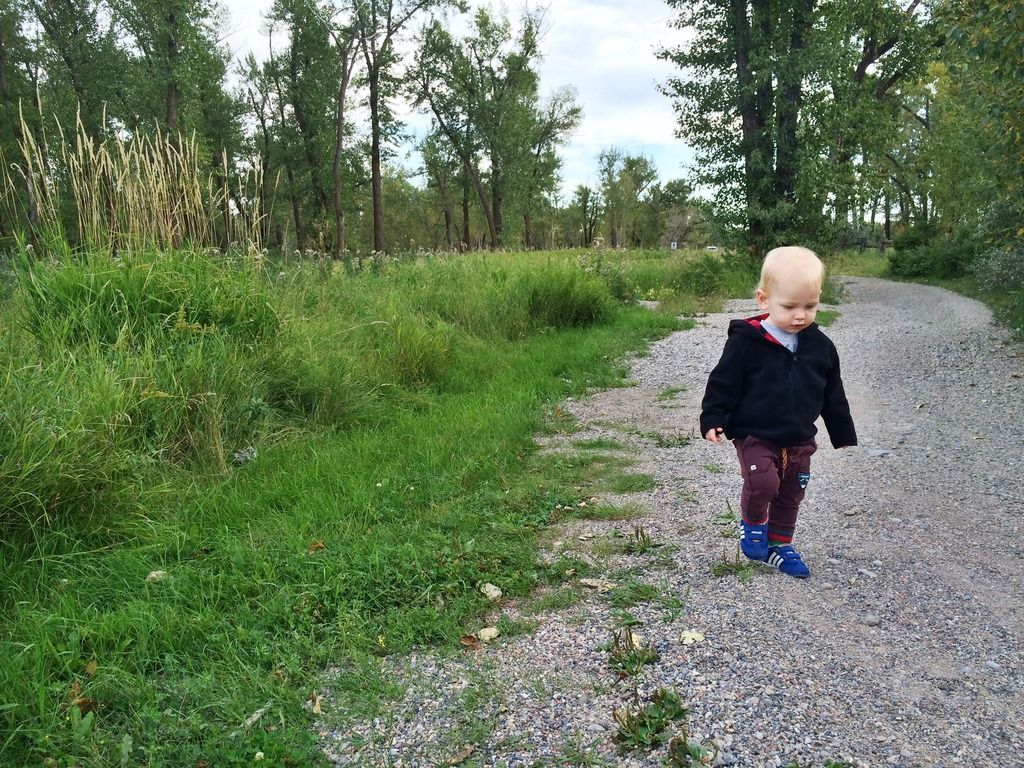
[944, 259]
[108, 301]
[65, 440]
[702, 276]
[914, 237]
[1000, 268]
[561, 297]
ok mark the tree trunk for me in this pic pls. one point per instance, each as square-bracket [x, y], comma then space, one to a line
[375, 173]
[306, 131]
[347, 65]
[496, 205]
[528, 231]
[265, 162]
[3, 68]
[289, 171]
[791, 86]
[446, 206]
[172, 75]
[753, 99]
[887, 231]
[465, 204]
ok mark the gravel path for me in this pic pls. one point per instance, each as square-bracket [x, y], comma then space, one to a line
[903, 648]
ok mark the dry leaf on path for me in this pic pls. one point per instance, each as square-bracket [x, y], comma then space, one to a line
[491, 592]
[689, 637]
[470, 641]
[462, 755]
[601, 585]
[487, 634]
[314, 700]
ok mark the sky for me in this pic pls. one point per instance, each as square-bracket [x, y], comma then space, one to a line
[604, 49]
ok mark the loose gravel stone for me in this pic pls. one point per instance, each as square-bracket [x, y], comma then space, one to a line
[791, 671]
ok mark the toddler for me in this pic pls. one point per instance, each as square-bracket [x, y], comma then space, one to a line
[778, 373]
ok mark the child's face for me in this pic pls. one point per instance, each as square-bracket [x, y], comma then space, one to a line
[790, 309]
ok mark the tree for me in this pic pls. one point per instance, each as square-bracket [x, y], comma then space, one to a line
[779, 98]
[443, 168]
[587, 205]
[551, 124]
[305, 76]
[626, 184]
[16, 60]
[82, 63]
[483, 94]
[378, 24]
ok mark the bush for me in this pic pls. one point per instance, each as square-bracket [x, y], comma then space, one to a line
[66, 446]
[915, 236]
[109, 302]
[943, 259]
[563, 297]
[1003, 268]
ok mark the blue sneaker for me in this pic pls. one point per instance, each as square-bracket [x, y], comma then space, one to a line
[787, 560]
[754, 540]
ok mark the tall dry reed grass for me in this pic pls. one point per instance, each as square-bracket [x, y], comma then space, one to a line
[132, 193]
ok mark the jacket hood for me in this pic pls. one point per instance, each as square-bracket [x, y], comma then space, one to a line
[752, 328]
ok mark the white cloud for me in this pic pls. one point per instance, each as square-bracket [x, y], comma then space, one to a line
[605, 50]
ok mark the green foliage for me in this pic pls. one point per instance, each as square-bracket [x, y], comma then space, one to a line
[107, 302]
[685, 753]
[1000, 268]
[627, 655]
[943, 258]
[645, 727]
[564, 298]
[915, 237]
[381, 492]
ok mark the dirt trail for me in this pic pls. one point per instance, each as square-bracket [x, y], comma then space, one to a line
[903, 648]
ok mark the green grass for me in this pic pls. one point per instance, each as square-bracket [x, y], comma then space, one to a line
[670, 392]
[632, 592]
[395, 470]
[599, 444]
[826, 317]
[627, 483]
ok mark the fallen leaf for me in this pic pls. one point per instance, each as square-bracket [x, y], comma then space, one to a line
[156, 576]
[314, 699]
[91, 667]
[254, 718]
[74, 691]
[491, 592]
[316, 546]
[689, 637]
[487, 634]
[601, 585]
[462, 755]
[587, 536]
[470, 641]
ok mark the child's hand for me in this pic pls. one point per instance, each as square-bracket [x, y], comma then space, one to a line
[715, 435]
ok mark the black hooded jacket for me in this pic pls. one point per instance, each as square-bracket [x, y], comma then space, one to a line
[760, 388]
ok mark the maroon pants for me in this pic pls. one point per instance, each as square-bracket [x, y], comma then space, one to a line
[774, 480]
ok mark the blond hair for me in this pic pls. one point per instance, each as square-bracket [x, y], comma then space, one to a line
[791, 265]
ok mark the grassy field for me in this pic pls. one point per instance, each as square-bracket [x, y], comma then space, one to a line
[222, 477]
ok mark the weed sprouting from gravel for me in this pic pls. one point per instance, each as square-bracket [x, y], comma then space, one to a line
[627, 655]
[644, 727]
